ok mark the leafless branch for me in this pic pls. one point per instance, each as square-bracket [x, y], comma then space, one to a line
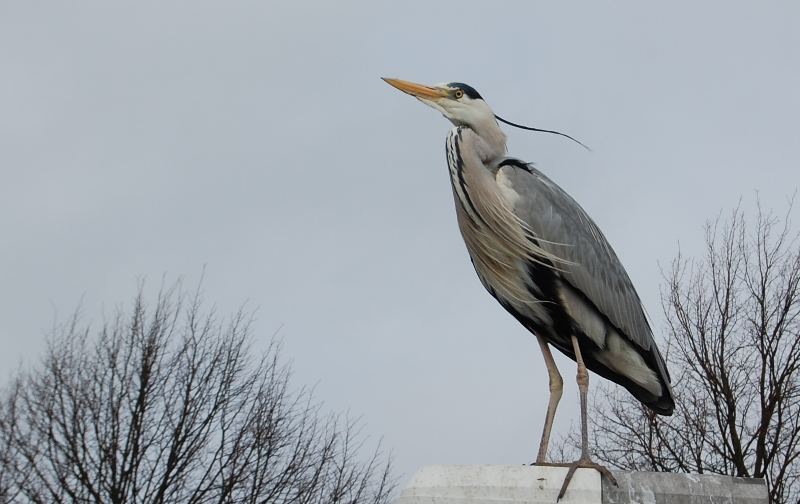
[167, 404]
[733, 320]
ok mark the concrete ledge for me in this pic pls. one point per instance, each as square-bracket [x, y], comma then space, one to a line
[454, 484]
[522, 484]
[646, 487]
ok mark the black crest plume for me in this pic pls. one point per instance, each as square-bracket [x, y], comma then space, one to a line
[541, 130]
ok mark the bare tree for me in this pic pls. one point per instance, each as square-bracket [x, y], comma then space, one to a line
[733, 320]
[167, 405]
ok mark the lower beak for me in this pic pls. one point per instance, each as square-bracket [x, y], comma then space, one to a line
[417, 90]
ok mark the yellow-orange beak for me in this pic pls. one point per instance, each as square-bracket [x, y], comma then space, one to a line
[417, 90]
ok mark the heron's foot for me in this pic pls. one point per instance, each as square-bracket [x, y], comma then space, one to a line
[581, 463]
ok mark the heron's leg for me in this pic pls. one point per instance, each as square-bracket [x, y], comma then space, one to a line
[585, 460]
[583, 388]
[556, 388]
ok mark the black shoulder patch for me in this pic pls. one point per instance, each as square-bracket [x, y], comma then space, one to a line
[468, 90]
[516, 163]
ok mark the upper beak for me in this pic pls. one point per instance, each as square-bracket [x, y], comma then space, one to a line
[417, 90]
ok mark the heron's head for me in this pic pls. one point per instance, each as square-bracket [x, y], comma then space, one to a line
[463, 106]
[458, 102]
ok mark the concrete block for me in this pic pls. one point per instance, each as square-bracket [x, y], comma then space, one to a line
[462, 484]
[522, 484]
[663, 488]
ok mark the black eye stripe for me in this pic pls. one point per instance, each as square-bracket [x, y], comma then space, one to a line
[467, 89]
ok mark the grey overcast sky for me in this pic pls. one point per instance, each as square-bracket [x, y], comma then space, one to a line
[146, 138]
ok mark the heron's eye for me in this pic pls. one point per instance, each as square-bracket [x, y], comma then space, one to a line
[458, 94]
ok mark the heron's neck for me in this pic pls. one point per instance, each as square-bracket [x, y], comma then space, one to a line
[493, 138]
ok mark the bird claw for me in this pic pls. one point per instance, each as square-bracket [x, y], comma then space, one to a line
[573, 466]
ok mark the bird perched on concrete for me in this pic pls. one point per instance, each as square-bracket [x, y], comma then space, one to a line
[544, 259]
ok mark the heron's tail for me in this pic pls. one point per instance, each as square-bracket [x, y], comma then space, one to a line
[664, 405]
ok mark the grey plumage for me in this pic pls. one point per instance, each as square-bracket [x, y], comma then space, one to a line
[591, 288]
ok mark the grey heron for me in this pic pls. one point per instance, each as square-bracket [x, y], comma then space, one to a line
[546, 261]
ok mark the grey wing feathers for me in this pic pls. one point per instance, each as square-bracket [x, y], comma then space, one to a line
[593, 268]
